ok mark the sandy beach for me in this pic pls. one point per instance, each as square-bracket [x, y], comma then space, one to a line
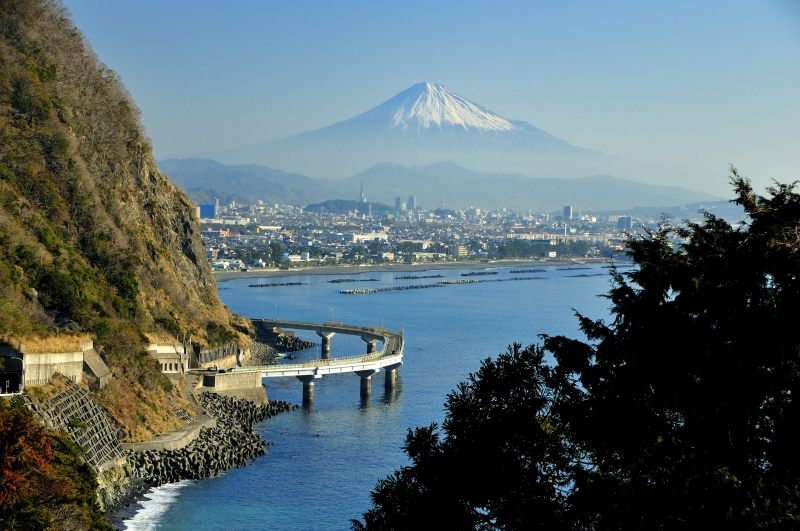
[222, 276]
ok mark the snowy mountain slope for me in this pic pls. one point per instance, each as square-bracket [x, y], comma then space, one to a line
[429, 116]
[427, 123]
[427, 105]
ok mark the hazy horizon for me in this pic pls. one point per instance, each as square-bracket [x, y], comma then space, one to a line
[696, 86]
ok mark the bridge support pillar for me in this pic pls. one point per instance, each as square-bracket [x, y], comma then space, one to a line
[366, 381]
[371, 344]
[391, 375]
[326, 343]
[308, 388]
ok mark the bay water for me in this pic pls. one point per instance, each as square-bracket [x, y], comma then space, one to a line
[327, 458]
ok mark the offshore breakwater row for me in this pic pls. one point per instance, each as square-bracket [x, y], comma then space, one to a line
[232, 443]
[274, 285]
[396, 288]
[441, 284]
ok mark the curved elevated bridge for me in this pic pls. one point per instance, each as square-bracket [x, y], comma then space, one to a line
[389, 357]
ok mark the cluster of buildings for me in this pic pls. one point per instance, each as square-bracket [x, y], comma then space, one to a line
[245, 236]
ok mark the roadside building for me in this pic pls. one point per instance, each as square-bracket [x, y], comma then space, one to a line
[171, 356]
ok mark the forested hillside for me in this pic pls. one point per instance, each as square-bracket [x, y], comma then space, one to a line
[93, 239]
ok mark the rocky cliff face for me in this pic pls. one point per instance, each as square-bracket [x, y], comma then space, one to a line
[93, 238]
[88, 225]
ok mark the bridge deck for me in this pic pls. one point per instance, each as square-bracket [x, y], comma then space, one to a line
[390, 355]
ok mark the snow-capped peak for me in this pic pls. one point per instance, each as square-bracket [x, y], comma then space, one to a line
[427, 104]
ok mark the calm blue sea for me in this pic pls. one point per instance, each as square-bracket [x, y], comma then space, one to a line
[319, 473]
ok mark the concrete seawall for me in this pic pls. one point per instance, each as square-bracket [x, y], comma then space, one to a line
[232, 443]
[226, 381]
[174, 440]
[236, 384]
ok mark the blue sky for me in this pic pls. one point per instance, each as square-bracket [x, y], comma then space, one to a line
[700, 84]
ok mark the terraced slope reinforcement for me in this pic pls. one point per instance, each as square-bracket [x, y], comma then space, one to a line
[93, 238]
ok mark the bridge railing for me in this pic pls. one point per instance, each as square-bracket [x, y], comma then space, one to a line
[324, 362]
[390, 338]
[366, 358]
[335, 324]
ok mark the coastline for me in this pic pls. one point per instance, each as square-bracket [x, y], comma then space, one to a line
[120, 517]
[223, 276]
[228, 444]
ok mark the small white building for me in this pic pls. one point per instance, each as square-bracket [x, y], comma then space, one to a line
[368, 237]
[171, 356]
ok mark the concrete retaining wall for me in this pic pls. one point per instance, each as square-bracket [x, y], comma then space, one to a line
[234, 360]
[240, 385]
[39, 368]
[232, 380]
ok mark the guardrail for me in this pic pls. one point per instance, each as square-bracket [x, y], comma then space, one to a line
[389, 338]
[375, 356]
[378, 330]
[366, 358]
[333, 324]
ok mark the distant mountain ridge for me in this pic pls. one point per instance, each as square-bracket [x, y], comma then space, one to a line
[427, 123]
[201, 177]
[459, 186]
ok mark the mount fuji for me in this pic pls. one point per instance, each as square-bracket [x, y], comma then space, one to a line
[428, 123]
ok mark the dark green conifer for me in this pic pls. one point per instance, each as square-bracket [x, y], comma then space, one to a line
[681, 412]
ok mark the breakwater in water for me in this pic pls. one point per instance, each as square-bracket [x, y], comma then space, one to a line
[437, 285]
[231, 444]
[273, 285]
[342, 280]
[523, 271]
[397, 288]
[286, 343]
[478, 273]
[261, 354]
[417, 277]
